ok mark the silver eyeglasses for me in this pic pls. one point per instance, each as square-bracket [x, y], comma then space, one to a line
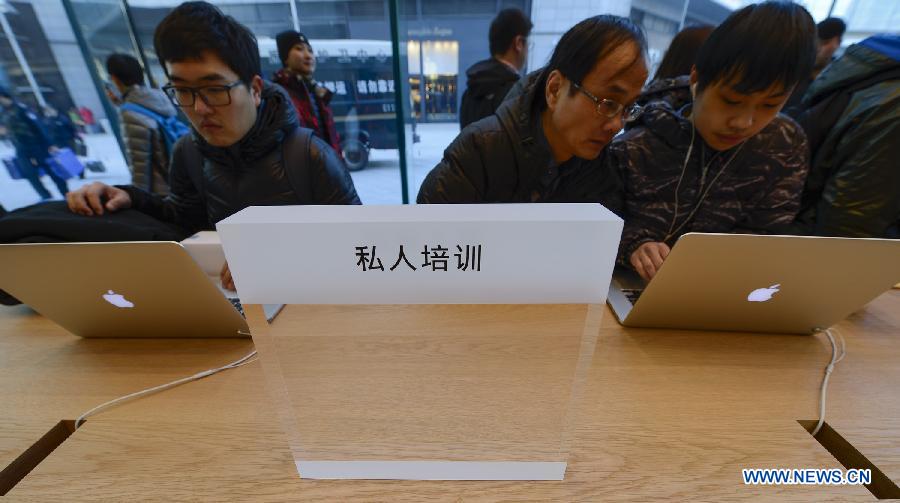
[213, 96]
[612, 108]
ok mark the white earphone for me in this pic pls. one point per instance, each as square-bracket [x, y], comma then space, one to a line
[672, 230]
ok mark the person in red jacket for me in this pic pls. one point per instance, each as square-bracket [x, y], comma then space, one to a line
[310, 99]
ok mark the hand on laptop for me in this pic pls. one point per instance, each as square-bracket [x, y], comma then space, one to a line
[92, 199]
[648, 258]
[227, 280]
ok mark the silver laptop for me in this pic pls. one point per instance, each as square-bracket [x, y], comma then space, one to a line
[125, 289]
[752, 283]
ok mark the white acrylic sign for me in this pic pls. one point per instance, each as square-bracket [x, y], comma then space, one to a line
[422, 254]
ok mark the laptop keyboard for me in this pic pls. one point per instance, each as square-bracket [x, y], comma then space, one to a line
[632, 294]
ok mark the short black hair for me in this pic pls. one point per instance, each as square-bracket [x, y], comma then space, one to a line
[195, 27]
[509, 24]
[759, 46]
[682, 52]
[125, 68]
[830, 28]
[588, 42]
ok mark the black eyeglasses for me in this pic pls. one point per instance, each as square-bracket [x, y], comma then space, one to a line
[611, 108]
[213, 96]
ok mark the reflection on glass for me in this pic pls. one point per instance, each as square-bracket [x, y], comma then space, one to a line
[359, 74]
[105, 30]
[433, 71]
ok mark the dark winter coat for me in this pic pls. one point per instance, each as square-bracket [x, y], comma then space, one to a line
[61, 131]
[505, 158]
[487, 84]
[252, 172]
[27, 132]
[675, 91]
[853, 187]
[323, 123]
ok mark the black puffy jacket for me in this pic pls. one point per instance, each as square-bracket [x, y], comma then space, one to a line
[853, 122]
[505, 158]
[210, 183]
[487, 83]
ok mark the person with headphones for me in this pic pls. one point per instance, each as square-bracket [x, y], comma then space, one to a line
[727, 161]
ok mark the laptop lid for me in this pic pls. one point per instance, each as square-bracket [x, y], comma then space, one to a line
[754, 283]
[124, 289]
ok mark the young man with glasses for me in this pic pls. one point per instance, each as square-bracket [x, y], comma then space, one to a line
[246, 148]
[544, 144]
[726, 161]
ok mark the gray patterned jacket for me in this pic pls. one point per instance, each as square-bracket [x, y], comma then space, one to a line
[758, 192]
[143, 139]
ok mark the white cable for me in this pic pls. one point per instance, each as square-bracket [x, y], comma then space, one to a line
[681, 178]
[835, 358]
[703, 193]
[200, 375]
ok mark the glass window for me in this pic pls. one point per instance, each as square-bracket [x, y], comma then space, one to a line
[68, 83]
[438, 41]
[367, 9]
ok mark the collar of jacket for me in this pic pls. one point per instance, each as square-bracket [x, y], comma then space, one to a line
[859, 62]
[672, 126]
[293, 81]
[275, 118]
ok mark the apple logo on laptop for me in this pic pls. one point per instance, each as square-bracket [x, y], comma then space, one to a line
[763, 294]
[117, 300]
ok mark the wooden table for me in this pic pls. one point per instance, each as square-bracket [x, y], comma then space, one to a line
[665, 414]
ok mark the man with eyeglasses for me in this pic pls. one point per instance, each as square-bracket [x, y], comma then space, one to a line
[246, 148]
[544, 144]
[726, 161]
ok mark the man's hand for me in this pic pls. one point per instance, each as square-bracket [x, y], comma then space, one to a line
[94, 198]
[648, 258]
[227, 280]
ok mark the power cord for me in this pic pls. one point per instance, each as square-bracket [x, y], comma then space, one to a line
[249, 358]
[206, 373]
[835, 358]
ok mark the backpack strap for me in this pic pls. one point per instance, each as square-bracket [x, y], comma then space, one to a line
[134, 107]
[295, 155]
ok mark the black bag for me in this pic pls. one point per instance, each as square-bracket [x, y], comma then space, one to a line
[52, 222]
[95, 167]
[80, 147]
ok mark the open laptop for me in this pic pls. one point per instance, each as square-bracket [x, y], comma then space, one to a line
[124, 289]
[753, 283]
